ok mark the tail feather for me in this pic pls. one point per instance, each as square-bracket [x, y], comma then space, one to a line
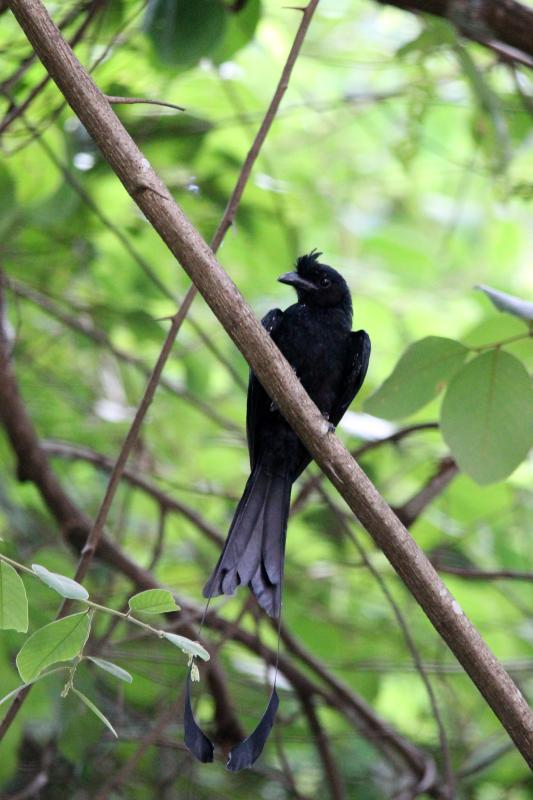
[255, 546]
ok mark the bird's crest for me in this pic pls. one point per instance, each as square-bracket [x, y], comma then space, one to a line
[307, 262]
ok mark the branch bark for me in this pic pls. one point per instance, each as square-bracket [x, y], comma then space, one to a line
[488, 22]
[153, 198]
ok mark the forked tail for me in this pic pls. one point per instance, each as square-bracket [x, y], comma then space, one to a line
[255, 548]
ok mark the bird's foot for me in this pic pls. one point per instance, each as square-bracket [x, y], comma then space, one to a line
[331, 427]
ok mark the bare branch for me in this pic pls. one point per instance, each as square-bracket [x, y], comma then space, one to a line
[409, 512]
[331, 772]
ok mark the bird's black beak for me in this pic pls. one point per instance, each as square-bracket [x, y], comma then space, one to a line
[293, 279]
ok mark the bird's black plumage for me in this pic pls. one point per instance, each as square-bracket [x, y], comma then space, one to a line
[330, 360]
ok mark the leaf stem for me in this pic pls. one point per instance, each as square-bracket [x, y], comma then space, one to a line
[89, 603]
[502, 342]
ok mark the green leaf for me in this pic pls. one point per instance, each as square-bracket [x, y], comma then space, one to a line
[59, 641]
[95, 710]
[509, 303]
[417, 378]
[240, 29]
[183, 32]
[64, 586]
[153, 601]
[487, 416]
[113, 669]
[188, 646]
[13, 600]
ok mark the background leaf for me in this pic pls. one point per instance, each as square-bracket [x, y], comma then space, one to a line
[13, 600]
[417, 378]
[487, 416]
[59, 641]
[239, 30]
[153, 601]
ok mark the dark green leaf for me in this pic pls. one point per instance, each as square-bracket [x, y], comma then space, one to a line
[182, 32]
[240, 29]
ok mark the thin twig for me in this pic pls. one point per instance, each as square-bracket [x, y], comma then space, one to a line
[84, 325]
[134, 100]
[484, 574]
[165, 501]
[331, 772]
[16, 110]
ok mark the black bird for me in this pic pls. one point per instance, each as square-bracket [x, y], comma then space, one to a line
[315, 336]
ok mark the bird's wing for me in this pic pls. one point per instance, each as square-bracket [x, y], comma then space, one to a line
[354, 373]
[258, 406]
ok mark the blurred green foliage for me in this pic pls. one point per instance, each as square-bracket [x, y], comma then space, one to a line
[404, 155]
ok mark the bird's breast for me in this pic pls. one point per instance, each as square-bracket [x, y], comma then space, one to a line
[314, 343]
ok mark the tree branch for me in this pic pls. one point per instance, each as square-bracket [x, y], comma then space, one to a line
[489, 22]
[275, 373]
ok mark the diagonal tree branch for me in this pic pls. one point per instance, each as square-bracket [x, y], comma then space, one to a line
[275, 373]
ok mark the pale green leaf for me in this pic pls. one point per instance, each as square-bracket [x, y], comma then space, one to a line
[113, 669]
[13, 600]
[487, 416]
[95, 710]
[153, 601]
[417, 378]
[66, 587]
[59, 641]
[188, 646]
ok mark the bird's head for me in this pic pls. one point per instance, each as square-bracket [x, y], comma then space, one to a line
[317, 284]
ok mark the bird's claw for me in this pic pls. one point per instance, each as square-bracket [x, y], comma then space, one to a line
[331, 427]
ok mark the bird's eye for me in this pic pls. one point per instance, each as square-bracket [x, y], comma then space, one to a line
[325, 282]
